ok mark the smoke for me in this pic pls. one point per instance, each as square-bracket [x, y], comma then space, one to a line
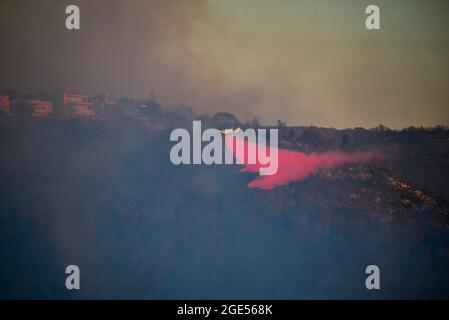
[294, 166]
[127, 48]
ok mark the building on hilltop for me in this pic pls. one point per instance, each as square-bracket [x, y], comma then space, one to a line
[4, 103]
[78, 105]
[34, 107]
[101, 102]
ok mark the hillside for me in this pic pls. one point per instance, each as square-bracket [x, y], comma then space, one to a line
[103, 194]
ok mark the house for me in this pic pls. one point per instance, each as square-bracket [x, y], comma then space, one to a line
[4, 103]
[34, 107]
[77, 105]
[101, 102]
[40, 107]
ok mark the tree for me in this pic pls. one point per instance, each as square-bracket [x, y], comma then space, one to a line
[281, 124]
[255, 123]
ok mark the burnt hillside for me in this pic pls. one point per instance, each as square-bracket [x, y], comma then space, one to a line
[102, 194]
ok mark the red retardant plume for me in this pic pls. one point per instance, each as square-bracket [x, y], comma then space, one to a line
[295, 166]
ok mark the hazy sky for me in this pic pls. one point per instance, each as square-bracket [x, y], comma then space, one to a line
[302, 61]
